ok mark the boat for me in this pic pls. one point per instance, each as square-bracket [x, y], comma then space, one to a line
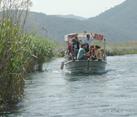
[88, 65]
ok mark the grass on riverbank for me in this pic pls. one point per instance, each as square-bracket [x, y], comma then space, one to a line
[122, 48]
[19, 53]
[112, 49]
[42, 49]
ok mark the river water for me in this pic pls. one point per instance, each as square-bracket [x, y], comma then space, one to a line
[55, 94]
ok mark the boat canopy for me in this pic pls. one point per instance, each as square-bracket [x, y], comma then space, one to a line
[95, 36]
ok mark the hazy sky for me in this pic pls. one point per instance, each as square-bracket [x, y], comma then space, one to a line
[84, 8]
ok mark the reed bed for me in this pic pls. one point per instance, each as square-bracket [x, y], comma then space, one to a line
[19, 53]
[42, 51]
[122, 48]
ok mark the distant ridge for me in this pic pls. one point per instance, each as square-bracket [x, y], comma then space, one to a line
[72, 17]
[117, 24]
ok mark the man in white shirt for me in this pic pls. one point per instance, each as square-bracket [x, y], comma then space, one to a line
[86, 40]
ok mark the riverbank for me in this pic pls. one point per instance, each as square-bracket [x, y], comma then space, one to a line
[112, 49]
[19, 54]
[121, 48]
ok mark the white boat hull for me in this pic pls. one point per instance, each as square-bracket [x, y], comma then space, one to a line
[86, 66]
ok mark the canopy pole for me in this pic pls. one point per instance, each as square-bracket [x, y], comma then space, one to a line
[105, 48]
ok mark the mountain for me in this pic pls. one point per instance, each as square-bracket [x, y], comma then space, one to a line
[53, 26]
[117, 23]
[71, 16]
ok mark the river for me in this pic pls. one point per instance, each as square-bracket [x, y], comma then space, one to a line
[55, 94]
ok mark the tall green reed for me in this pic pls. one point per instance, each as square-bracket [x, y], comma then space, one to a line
[19, 53]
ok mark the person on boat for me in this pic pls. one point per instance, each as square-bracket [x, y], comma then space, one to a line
[81, 53]
[87, 41]
[91, 53]
[103, 55]
[98, 53]
[69, 48]
[69, 52]
[76, 45]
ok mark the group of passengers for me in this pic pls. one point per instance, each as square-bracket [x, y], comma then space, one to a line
[84, 50]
